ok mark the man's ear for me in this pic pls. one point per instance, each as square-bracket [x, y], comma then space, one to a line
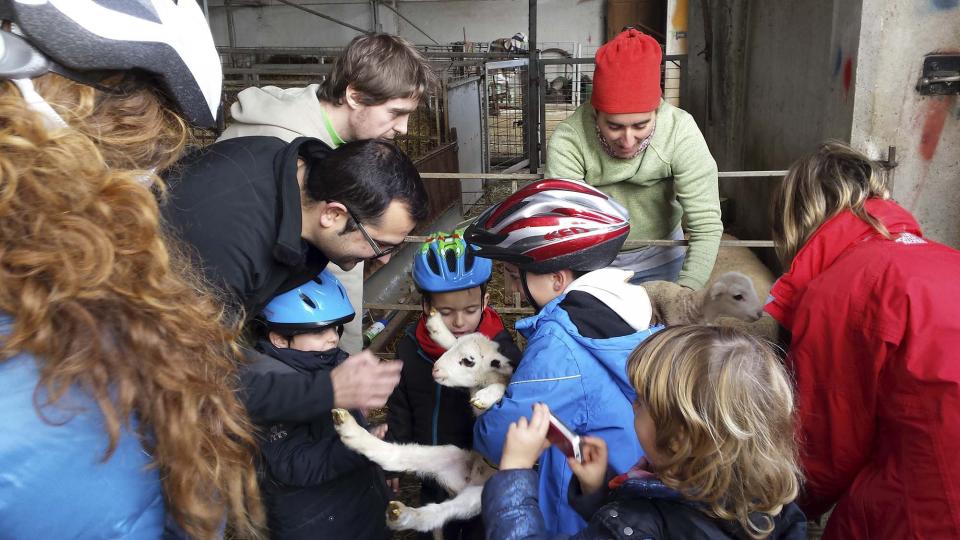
[332, 214]
[485, 301]
[351, 96]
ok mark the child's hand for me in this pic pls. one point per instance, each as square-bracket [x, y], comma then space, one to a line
[526, 441]
[593, 470]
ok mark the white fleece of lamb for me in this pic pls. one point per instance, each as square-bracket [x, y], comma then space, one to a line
[609, 285]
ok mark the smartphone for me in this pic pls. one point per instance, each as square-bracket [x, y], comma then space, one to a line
[564, 438]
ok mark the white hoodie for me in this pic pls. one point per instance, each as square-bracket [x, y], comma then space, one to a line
[610, 286]
[286, 113]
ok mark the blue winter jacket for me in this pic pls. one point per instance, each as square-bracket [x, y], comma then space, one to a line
[584, 382]
[640, 509]
[53, 480]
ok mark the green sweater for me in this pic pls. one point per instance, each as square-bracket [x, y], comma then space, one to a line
[674, 176]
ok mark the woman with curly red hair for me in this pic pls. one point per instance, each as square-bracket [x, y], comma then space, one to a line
[118, 377]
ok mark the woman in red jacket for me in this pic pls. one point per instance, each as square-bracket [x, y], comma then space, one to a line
[874, 312]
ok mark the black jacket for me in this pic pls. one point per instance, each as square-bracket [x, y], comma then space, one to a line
[639, 509]
[422, 411]
[313, 485]
[236, 207]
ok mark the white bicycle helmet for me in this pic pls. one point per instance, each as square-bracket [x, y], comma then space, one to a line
[551, 225]
[86, 40]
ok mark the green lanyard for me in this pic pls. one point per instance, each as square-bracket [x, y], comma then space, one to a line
[334, 138]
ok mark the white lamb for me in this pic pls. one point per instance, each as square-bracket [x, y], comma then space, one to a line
[730, 295]
[472, 361]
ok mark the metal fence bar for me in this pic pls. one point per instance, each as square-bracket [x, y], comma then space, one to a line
[417, 307]
[538, 176]
[644, 243]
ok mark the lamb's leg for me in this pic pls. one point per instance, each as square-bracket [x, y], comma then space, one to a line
[432, 516]
[487, 397]
[439, 331]
[448, 464]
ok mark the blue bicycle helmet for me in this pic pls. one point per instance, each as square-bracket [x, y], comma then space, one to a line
[312, 306]
[446, 263]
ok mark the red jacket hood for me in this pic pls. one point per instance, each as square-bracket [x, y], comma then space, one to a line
[828, 243]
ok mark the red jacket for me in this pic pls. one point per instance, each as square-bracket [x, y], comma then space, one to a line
[876, 354]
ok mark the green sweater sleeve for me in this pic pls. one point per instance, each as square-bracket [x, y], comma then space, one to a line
[564, 157]
[695, 182]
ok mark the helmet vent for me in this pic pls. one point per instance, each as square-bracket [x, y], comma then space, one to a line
[308, 301]
[451, 257]
[468, 261]
[434, 265]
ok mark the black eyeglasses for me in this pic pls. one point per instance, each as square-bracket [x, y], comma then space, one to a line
[377, 250]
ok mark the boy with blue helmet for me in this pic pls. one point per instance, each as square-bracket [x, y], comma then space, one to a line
[313, 485]
[453, 281]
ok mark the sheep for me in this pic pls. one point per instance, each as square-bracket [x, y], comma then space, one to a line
[738, 260]
[472, 361]
[731, 295]
[743, 259]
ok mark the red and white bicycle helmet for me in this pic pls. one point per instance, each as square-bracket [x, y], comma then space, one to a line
[552, 225]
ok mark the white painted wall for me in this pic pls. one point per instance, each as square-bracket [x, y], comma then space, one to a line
[895, 36]
[579, 21]
[278, 25]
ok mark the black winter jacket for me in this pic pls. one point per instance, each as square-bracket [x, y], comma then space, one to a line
[236, 207]
[422, 411]
[313, 485]
[637, 510]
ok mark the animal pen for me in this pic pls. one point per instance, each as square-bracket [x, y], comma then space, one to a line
[475, 142]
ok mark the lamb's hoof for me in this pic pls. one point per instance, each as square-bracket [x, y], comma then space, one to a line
[486, 397]
[399, 516]
[395, 510]
[340, 416]
[479, 405]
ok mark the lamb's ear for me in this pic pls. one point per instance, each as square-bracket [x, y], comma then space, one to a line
[501, 364]
[717, 289]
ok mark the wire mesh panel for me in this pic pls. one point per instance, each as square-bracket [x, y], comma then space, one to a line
[506, 112]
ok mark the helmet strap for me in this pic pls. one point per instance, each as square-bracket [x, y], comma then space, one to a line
[526, 291]
[36, 102]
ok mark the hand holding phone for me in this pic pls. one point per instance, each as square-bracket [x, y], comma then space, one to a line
[526, 440]
[564, 438]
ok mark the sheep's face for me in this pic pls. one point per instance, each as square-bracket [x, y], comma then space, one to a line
[470, 362]
[733, 295]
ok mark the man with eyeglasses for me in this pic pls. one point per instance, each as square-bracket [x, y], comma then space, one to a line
[263, 216]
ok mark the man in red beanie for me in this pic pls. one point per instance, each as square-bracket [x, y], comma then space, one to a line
[648, 155]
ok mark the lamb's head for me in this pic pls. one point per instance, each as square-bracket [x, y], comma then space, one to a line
[732, 295]
[472, 362]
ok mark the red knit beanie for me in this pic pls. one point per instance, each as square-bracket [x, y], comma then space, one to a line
[627, 76]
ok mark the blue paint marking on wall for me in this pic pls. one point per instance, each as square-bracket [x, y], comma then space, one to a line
[945, 4]
[837, 61]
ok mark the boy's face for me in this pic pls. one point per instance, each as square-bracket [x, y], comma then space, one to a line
[646, 431]
[324, 340]
[460, 310]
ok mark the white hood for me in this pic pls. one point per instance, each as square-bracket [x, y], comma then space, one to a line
[285, 113]
[610, 286]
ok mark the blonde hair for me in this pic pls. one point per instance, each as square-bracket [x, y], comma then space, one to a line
[820, 185]
[722, 405]
[101, 302]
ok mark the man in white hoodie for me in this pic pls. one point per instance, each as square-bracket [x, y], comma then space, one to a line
[370, 93]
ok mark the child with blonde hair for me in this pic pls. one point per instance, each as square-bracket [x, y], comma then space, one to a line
[714, 414]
